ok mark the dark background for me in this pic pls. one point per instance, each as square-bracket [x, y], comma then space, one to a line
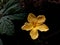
[51, 37]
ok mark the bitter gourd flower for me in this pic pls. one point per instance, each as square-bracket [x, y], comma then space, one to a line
[34, 24]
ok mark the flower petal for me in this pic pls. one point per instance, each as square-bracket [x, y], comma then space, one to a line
[43, 28]
[41, 19]
[31, 17]
[34, 34]
[27, 26]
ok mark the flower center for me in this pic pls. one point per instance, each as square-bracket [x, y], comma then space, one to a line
[34, 24]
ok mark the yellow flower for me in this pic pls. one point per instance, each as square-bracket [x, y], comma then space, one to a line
[34, 24]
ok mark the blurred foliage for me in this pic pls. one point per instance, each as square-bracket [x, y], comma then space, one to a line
[3, 2]
[10, 11]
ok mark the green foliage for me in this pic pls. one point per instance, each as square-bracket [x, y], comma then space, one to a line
[6, 25]
[10, 5]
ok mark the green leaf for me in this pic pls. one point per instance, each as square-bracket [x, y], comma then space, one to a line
[9, 3]
[13, 6]
[6, 26]
[20, 16]
[1, 42]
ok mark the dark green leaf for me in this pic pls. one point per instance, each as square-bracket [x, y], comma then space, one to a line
[20, 16]
[13, 6]
[6, 26]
